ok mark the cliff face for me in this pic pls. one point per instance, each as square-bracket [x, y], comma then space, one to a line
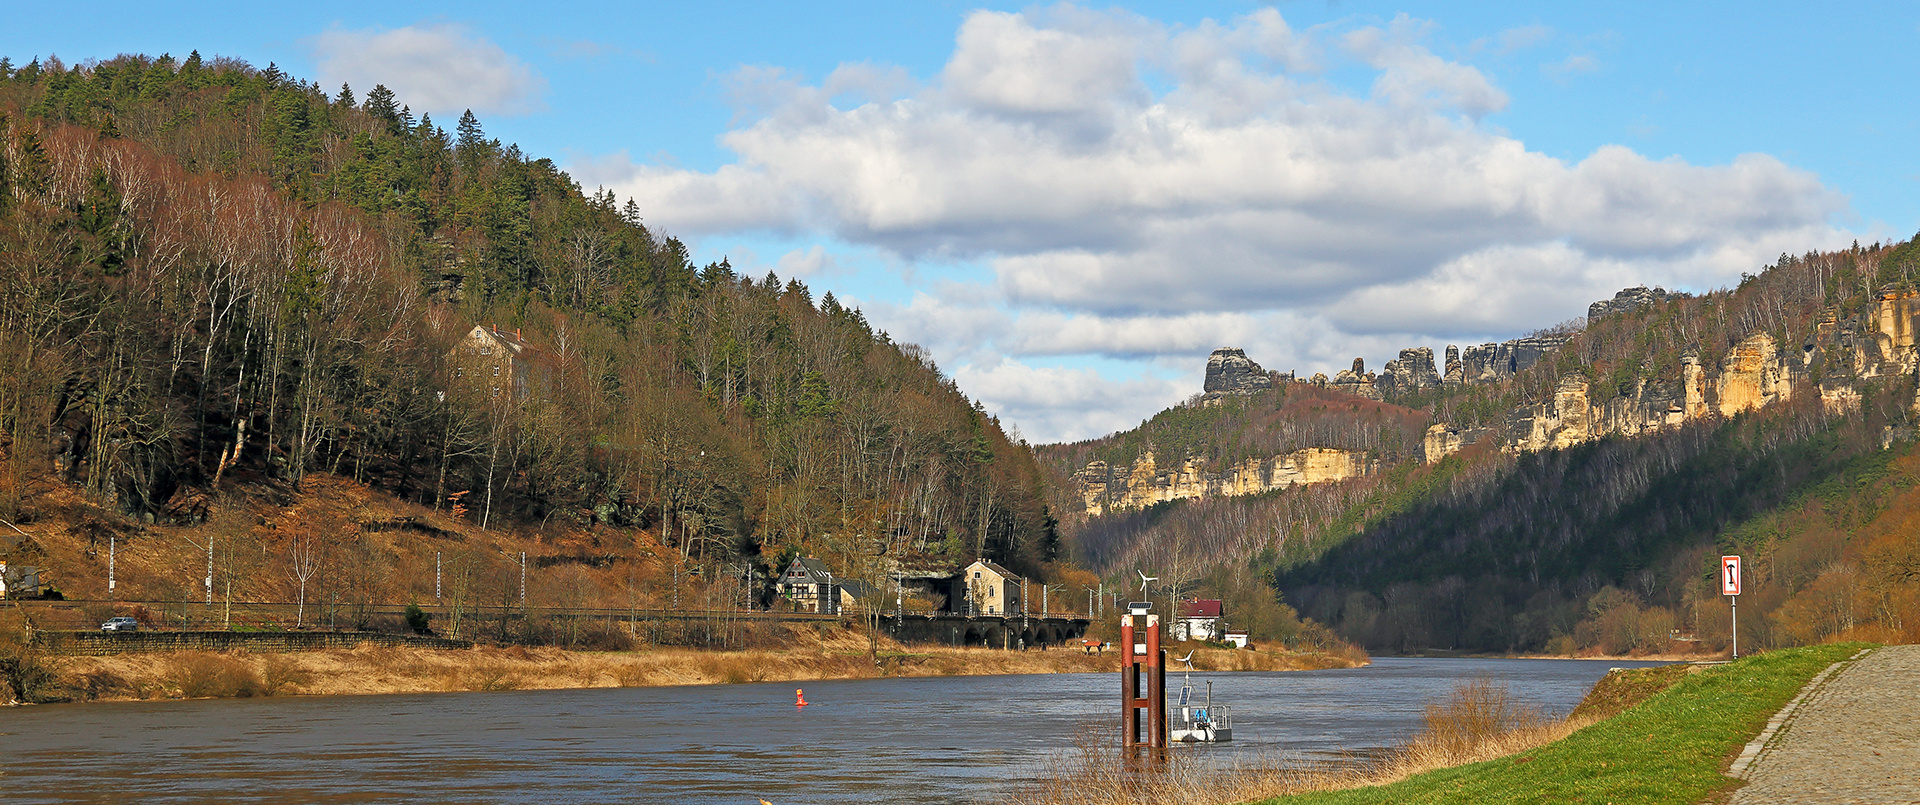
[1759, 371]
[1143, 483]
[1230, 371]
[1882, 340]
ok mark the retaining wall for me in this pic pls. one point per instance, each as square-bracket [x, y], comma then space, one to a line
[94, 644]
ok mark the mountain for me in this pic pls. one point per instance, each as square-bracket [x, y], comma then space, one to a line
[1567, 490]
[220, 280]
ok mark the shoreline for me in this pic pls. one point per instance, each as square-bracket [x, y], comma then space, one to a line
[373, 670]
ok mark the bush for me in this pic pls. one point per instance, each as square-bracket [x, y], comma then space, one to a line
[417, 619]
[201, 675]
[27, 671]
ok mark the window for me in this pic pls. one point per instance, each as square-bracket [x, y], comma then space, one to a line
[496, 371]
[976, 574]
[459, 372]
[486, 350]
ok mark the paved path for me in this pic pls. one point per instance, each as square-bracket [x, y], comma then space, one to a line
[1855, 738]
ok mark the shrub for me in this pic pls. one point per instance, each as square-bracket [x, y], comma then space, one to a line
[280, 674]
[200, 675]
[27, 671]
[417, 619]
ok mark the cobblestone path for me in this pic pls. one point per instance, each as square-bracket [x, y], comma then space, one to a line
[1853, 739]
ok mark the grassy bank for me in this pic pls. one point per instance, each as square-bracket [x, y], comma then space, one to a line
[1648, 735]
[368, 669]
[1671, 748]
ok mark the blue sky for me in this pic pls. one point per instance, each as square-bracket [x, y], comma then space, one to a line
[1071, 205]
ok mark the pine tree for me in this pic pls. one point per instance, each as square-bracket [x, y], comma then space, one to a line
[470, 143]
[346, 95]
[380, 107]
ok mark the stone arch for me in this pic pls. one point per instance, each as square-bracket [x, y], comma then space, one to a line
[996, 637]
[973, 637]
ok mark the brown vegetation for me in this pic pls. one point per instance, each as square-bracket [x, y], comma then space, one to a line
[221, 288]
[841, 654]
[1479, 721]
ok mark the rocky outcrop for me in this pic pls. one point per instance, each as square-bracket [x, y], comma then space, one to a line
[1491, 363]
[1629, 300]
[1144, 482]
[1356, 381]
[1230, 371]
[1410, 373]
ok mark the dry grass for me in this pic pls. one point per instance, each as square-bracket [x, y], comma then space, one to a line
[809, 655]
[1479, 721]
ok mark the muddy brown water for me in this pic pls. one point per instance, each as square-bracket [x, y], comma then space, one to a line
[946, 739]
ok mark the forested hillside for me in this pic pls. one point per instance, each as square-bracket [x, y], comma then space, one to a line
[213, 275]
[1582, 502]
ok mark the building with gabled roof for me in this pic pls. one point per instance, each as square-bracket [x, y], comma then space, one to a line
[986, 588]
[502, 362]
[1200, 619]
[809, 584]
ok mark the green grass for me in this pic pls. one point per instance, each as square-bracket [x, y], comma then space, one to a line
[1669, 749]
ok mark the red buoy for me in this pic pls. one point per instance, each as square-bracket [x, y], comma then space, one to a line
[799, 698]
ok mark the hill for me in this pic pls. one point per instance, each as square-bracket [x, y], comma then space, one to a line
[1570, 490]
[219, 283]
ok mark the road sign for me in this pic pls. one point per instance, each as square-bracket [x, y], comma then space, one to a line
[1729, 575]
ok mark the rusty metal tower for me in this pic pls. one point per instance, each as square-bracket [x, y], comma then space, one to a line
[1143, 684]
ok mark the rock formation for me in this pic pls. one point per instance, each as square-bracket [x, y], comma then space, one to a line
[1489, 363]
[1412, 372]
[1144, 482]
[1628, 300]
[1881, 341]
[1229, 371]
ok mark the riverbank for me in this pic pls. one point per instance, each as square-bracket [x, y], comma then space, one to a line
[369, 669]
[1653, 735]
[1673, 747]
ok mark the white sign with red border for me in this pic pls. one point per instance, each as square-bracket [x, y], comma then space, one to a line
[1729, 575]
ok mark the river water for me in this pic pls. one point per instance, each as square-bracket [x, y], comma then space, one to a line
[947, 739]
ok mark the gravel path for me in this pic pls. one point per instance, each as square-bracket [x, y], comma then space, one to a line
[1855, 738]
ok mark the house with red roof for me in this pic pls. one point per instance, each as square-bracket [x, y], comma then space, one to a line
[1200, 619]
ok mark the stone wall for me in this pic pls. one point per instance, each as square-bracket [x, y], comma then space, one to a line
[104, 643]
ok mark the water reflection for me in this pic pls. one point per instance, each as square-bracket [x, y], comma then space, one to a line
[953, 739]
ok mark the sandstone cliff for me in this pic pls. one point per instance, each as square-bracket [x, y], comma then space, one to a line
[1229, 371]
[1119, 487]
[1879, 342]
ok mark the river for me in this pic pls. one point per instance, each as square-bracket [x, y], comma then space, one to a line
[946, 739]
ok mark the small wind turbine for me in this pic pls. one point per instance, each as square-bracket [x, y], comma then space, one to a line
[1144, 581]
[1188, 660]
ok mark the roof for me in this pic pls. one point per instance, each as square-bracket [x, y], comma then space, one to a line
[998, 570]
[858, 589]
[1202, 608]
[816, 570]
[512, 340]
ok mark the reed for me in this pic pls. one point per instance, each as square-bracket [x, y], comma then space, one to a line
[1479, 720]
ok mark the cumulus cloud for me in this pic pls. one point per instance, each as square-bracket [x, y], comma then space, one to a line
[431, 67]
[1066, 404]
[1145, 192]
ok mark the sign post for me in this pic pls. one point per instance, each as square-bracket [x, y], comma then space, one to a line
[1730, 587]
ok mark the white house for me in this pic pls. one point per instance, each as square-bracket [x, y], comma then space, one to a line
[1200, 619]
[986, 588]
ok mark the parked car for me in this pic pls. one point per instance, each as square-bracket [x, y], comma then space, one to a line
[120, 624]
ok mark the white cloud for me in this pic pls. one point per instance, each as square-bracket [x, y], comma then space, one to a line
[432, 67]
[1066, 404]
[808, 263]
[1241, 201]
[1572, 65]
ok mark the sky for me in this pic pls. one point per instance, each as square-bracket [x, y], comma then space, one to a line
[1071, 205]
